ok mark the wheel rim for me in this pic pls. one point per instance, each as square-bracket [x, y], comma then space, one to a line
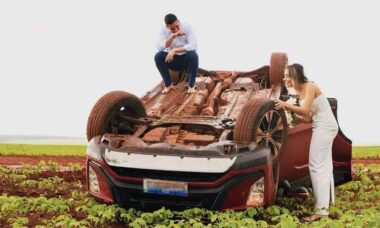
[270, 132]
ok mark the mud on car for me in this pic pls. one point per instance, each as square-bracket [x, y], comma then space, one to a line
[223, 147]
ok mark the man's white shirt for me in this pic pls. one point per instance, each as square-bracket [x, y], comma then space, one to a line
[187, 41]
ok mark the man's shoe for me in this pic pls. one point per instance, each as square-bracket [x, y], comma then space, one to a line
[167, 89]
[191, 90]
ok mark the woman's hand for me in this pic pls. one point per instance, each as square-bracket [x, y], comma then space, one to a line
[305, 119]
[279, 104]
[309, 118]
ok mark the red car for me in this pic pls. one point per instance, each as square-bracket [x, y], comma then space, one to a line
[223, 147]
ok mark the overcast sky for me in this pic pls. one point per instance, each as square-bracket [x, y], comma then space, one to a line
[58, 57]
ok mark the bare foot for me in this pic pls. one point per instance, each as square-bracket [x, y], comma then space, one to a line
[167, 89]
[191, 90]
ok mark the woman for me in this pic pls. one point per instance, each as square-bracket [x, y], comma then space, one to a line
[314, 104]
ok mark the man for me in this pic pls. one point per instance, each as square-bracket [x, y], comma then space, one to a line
[177, 47]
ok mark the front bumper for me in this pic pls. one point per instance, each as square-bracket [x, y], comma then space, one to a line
[215, 191]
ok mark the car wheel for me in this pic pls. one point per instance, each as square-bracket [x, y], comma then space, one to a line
[107, 114]
[260, 122]
[278, 63]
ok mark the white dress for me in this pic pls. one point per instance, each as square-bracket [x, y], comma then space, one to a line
[325, 129]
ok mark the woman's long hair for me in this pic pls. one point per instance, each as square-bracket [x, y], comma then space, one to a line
[296, 73]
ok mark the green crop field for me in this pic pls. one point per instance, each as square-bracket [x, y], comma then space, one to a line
[34, 150]
[366, 152]
[358, 152]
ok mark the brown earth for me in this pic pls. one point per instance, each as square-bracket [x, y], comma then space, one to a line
[34, 160]
[366, 161]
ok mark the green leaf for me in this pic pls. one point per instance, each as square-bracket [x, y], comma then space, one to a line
[252, 212]
[214, 218]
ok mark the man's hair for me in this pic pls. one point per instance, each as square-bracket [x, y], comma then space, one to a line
[170, 19]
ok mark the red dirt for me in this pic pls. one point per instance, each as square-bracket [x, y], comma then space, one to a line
[34, 160]
[366, 161]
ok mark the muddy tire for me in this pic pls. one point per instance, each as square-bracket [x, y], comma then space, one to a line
[278, 62]
[260, 122]
[105, 116]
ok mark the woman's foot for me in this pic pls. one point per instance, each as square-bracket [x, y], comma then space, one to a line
[313, 218]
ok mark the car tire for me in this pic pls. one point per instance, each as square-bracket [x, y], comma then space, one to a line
[260, 122]
[105, 115]
[278, 63]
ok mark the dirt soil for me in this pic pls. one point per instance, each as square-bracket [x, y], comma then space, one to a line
[366, 161]
[34, 160]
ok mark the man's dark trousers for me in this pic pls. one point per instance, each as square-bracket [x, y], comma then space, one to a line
[187, 61]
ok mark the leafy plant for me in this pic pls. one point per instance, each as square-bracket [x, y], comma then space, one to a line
[357, 205]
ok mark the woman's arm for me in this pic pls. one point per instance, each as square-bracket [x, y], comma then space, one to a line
[305, 108]
[303, 119]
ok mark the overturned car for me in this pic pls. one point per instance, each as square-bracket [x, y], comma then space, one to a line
[223, 147]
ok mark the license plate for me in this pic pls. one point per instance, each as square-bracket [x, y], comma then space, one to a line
[164, 187]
